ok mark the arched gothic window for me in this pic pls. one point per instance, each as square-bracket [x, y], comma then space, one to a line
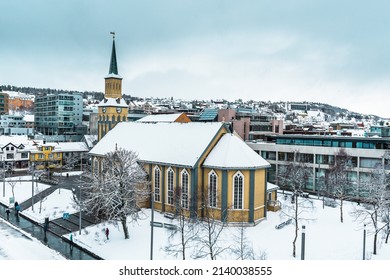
[212, 189]
[238, 190]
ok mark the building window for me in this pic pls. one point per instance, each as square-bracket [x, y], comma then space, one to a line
[184, 189]
[24, 155]
[212, 189]
[238, 189]
[10, 156]
[170, 186]
[157, 184]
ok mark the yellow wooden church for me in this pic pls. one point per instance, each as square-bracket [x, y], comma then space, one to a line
[214, 169]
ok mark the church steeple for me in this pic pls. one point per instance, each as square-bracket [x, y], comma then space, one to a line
[113, 79]
[113, 63]
[113, 108]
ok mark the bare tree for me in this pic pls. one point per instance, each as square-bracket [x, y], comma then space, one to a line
[339, 184]
[386, 202]
[210, 236]
[294, 177]
[186, 228]
[70, 162]
[116, 192]
[242, 248]
[375, 195]
[12, 183]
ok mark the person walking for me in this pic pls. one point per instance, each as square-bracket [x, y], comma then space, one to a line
[7, 212]
[17, 208]
[107, 233]
[71, 242]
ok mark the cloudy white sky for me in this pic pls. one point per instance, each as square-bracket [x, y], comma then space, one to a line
[333, 51]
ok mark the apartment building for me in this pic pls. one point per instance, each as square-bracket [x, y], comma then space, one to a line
[58, 114]
[318, 152]
[14, 125]
[4, 103]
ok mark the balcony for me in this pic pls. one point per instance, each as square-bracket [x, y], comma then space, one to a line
[274, 205]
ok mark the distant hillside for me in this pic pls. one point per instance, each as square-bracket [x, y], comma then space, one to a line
[334, 112]
[35, 91]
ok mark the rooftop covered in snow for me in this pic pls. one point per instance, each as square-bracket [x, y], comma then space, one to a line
[232, 153]
[172, 143]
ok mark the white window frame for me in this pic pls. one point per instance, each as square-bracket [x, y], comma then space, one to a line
[238, 205]
[213, 202]
[157, 183]
[185, 195]
[170, 186]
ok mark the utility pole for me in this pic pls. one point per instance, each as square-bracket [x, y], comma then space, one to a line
[80, 210]
[32, 188]
[152, 227]
[303, 243]
[81, 175]
[364, 242]
[3, 176]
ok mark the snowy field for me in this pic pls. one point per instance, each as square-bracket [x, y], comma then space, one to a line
[22, 190]
[16, 244]
[326, 238]
[53, 206]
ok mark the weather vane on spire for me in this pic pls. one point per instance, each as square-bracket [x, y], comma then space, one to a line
[113, 35]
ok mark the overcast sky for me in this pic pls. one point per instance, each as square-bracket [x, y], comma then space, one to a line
[333, 51]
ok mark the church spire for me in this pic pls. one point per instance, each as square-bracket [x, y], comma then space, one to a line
[113, 63]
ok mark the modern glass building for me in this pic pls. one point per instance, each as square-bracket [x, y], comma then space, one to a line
[4, 103]
[318, 153]
[58, 114]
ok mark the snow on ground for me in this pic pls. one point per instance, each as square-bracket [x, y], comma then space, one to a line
[326, 238]
[22, 190]
[16, 244]
[53, 206]
[68, 173]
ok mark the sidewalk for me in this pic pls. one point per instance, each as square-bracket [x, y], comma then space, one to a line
[57, 227]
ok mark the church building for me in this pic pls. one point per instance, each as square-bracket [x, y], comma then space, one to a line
[208, 166]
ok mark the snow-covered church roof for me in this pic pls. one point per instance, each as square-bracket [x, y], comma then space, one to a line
[232, 153]
[169, 143]
[160, 118]
[180, 144]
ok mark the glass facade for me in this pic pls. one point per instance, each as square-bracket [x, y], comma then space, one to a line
[337, 142]
[58, 114]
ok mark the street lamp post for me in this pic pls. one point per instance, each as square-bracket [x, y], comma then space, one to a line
[79, 202]
[80, 209]
[364, 242]
[3, 176]
[152, 227]
[303, 243]
[32, 186]
[81, 169]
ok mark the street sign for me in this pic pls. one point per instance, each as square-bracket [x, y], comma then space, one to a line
[11, 200]
[170, 226]
[157, 224]
[65, 216]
